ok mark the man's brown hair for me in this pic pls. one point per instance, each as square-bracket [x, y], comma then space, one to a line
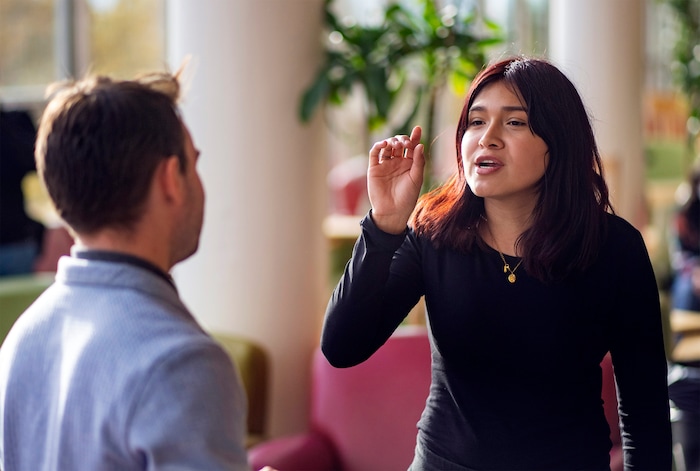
[99, 143]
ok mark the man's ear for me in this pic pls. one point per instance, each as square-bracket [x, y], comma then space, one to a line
[171, 180]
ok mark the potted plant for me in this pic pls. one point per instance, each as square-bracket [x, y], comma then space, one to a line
[686, 65]
[401, 65]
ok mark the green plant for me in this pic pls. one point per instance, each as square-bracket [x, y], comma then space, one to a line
[686, 65]
[400, 65]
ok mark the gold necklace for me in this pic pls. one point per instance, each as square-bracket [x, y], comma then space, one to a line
[506, 266]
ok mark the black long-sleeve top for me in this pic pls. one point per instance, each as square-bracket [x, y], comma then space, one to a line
[516, 378]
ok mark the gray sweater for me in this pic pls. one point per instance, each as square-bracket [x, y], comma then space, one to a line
[108, 370]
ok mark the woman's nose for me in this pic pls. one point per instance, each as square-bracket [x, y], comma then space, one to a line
[490, 138]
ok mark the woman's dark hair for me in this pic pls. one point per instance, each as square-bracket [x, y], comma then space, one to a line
[568, 222]
[99, 143]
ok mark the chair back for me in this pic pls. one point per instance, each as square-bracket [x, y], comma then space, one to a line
[251, 361]
[370, 411]
[17, 293]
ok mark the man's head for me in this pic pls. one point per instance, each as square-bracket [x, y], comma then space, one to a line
[102, 146]
[99, 143]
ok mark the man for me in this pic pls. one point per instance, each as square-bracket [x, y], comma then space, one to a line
[108, 370]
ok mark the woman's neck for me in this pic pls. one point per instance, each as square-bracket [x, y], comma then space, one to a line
[504, 224]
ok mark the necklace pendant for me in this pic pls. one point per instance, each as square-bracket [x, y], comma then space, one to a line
[511, 278]
[506, 268]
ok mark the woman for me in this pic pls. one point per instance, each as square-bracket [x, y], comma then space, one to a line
[529, 280]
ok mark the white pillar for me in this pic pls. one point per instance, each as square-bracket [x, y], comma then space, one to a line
[261, 267]
[599, 45]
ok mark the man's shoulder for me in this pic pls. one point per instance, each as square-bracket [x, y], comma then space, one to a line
[134, 323]
[118, 286]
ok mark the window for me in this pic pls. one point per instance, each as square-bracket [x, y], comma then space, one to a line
[27, 56]
[46, 40]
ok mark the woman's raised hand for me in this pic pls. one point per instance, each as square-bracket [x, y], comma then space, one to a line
[394, 180]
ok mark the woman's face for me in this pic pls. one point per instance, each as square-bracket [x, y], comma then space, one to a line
[502, 158]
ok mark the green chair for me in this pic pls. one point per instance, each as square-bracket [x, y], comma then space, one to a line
[16, 294]
[251, 361]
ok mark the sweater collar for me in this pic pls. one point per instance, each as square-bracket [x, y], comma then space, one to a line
[120, 257]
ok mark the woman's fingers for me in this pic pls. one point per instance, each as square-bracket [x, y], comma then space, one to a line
[416, 135]
[377, 152]
[400, 146]
[387, 152]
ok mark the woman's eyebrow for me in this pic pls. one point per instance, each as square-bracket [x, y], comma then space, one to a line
[504, 108]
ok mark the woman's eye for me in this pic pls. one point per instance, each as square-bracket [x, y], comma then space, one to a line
[517, 122]
[476, 122]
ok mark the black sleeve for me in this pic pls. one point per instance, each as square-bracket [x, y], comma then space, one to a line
[639, 360]
[17, 136]
[380, 284]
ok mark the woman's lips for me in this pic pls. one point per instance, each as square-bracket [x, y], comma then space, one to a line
[487, 165]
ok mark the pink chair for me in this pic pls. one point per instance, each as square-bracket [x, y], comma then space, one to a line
[57, 242]
[364, 418]
[609, 395]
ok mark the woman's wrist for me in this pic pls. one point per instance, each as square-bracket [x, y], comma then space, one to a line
[391, 224]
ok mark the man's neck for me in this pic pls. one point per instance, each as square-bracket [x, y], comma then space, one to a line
[111, 241]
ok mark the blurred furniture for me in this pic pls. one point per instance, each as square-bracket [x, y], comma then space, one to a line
[57, 242]
[683, 385]
[685, 325]
[347, 181]
[16, 294]
[251, 361]
[609, 395]
[364, 418]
